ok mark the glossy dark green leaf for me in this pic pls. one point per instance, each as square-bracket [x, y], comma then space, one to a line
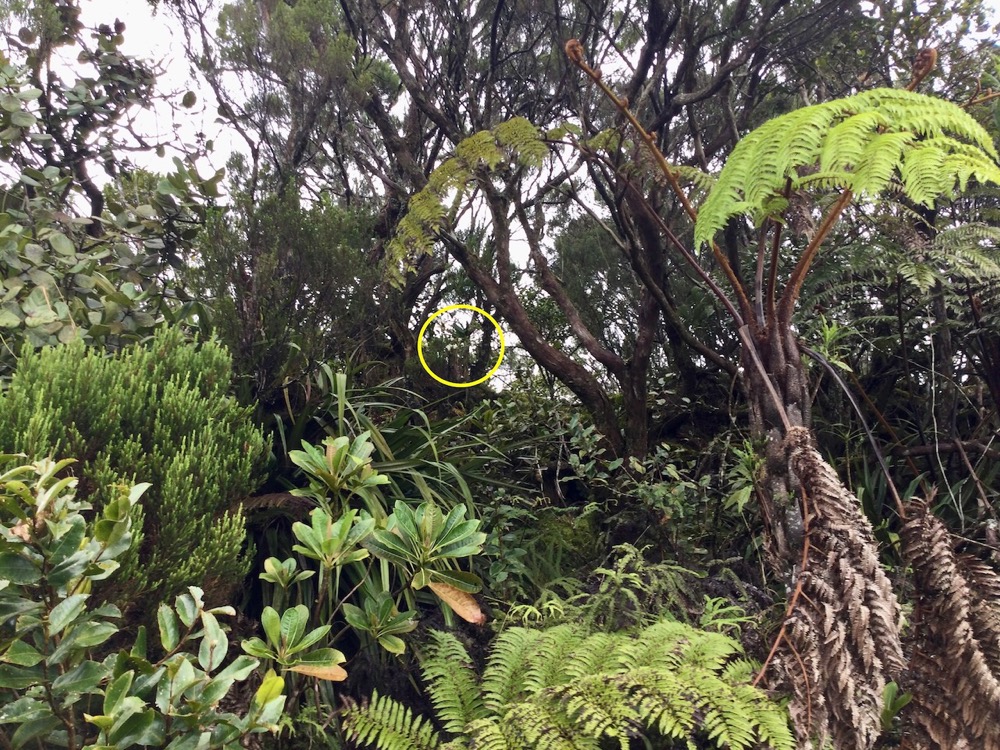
[18, 569]
[33, 729]
[66, 612]
[22, 654]
[169, 629]
[86, 677]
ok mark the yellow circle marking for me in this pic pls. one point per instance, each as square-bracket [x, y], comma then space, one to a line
[449, 308]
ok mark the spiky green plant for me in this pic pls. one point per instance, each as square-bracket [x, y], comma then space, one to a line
[563, 688]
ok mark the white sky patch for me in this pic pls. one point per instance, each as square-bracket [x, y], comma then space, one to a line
[158, 38]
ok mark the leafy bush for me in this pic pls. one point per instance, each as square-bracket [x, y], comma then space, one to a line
[159, 412]
[387, 481]
[56, 687]
[562, 688]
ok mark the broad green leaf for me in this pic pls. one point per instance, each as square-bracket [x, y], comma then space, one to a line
[94, 633]
[270, 688]
[19, 678]
[293, 625]
[187, 609]
[355, 617]
[61, 243]
[117, 691]
[70, 569]
[387, 546]
[22, 654]
[393, 644]
[310, 638]
[34, 729]
[22, 119]
[86, 677]
[271, 623]
[65, 612]
[241, 668]
[141, 728]
[69, 541]
[19, 570]
[169, 630]
[323, 664]
[138, 650]
[257, 647]
[271, 713]
[214, 644]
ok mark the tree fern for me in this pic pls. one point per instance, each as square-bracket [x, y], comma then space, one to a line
[564, 689]
[861, 143]
[514, 142]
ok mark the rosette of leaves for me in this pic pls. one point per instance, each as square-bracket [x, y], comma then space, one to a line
[381, 620]
[283, 575]
[288, 642]
[333, 545]
[60, 684]
[343, 468]
[427, 544]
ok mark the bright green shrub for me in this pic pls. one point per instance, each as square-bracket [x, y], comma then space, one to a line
[157, 413]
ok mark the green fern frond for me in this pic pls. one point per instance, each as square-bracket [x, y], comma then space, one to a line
[522, 140]
[861, 143]
[739, 670]
[694, 176]
[590, 656]
[670, 645]
[516, 142]
[548, 658]
[508, 662]
[560, 689]
[596, 706]
[388, 725]
[845, 144]
[968, 252]
[534, 724]
[487, 734]
[452, 683]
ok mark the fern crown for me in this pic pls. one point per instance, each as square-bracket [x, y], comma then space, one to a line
[860, 143]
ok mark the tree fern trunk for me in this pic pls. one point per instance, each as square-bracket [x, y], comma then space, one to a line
[778, 353]
[840, 638]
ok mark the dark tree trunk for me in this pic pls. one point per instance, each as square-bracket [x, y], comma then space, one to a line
[779, 356]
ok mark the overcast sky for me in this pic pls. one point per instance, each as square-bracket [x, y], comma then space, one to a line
[157, 37]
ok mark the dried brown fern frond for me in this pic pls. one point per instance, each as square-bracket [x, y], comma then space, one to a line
[954, 672]
[292, 505]
[842, 637]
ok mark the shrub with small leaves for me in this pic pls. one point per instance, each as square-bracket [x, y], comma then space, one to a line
[57, 684]
[159, 412]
